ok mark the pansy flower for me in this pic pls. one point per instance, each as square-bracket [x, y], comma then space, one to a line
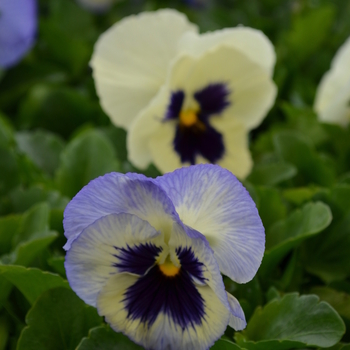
[148, 253]
[18, 23]
[332, 102]
[97, 6]
[184, 98]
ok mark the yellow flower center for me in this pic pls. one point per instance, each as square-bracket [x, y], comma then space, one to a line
[188, 117]
[169, 269]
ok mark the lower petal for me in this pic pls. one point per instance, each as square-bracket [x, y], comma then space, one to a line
[161, 328]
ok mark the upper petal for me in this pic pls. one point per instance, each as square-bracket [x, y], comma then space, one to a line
[131, 60]
[118, 193]
[212, 201]
[252, 42]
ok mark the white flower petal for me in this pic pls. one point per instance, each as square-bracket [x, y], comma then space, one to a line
[164, 333]
[212, 201]
[333, 93]
[131, 60]
[252, 90]
[251, 42]
[176, 325]
[91, 260]
[237, 157]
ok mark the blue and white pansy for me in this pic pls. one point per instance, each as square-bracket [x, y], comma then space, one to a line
[148, 253]
[184, 98]
[332, 102]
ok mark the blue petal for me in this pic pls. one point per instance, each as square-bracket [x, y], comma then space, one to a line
[237, 319]
[118, 193]
[211, 200]
[95, 255]
[18, 21]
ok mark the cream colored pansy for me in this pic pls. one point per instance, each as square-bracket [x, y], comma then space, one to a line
[184, 98]
[332, 102]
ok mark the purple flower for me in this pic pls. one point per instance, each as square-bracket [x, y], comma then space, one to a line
[148, 253]
[18, 23]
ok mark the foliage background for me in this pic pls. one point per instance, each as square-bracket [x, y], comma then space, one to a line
[54, 138]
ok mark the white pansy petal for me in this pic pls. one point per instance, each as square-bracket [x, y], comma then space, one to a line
[333, 93]
[189, 310]
[131, 60]
[237, 318]
[212, 201]
[252, 92]
[163, 332]
[162, 149]
[148, 123]
[118, 193]
[99, 252]
[337, 111]
[237, 157]
[253, 43]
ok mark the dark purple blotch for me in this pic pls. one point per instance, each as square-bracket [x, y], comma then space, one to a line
[200, 138]
[154, 292]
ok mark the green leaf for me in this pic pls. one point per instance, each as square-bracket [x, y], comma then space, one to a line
[9, 225]
[339, 300]
[225, 344]
[293, 322]
[294, 148]
[105, 338]
[270, 205]
[287, 234]
[43, 148]
[31, 282]
[58, 320]
[330, 258]
[35, 220]
[57, 264]
[309, 31]
[22, 199]
[59, 109]
[86, 157]
[272, 173]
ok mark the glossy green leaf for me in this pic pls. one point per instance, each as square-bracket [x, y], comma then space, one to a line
[292, 322]
[339, 300]
[272, 174]
[225, 344]
[9, 225]
[22, 199]
[57, 320]
[330, 259]
[55, 108]
[294, 148]
[107, 339]
[86, 157]
[309, 31]
[43, 148]
[287, 234]
[31, 282]
[270, 205]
